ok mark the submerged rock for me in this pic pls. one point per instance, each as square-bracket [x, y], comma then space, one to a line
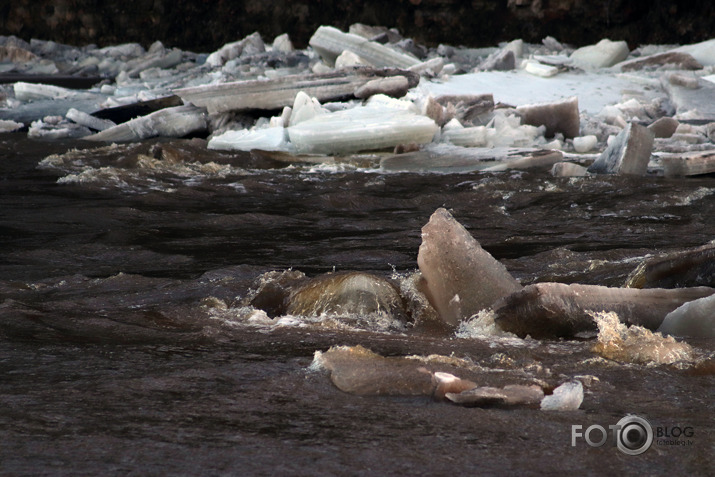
[695, 318]
[460, 278]
[551, 310]
[628, 154]
[355, 293]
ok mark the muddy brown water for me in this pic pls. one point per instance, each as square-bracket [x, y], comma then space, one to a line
[110, 363]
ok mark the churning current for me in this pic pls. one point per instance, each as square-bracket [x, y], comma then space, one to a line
[129, 344]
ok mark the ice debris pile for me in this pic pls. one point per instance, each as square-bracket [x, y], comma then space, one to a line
[602, 108]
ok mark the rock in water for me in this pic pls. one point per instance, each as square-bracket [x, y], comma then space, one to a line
[567, 397]
[695, 318]
[628, 154]
[551, 310]
[561, 117]
[346, 293]
[460, 277]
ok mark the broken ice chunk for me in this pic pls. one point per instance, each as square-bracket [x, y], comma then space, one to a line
[362, 128]
[695, 318]
[628, 154]
[9, 126]
[330, 42]
[550, 310]
[562, 116]
[508, 396]
[678, 60]
[603, 54]
[394, 86]
[88, 120]
[568, 169]
[583, 144]
[664, 127]
[692, 97]
[268, 139]
[178, 121]
[304, 108]
[567, 397]
[540, 69]
[688, 164]
[452, 264]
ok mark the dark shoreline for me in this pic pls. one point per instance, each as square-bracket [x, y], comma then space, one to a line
[205, 26]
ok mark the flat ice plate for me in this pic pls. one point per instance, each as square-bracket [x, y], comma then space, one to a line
[594, 90]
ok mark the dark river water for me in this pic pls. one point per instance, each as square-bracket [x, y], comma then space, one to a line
[126, 347]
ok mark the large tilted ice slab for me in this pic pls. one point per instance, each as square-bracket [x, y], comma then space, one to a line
[330, 42]
[628, 154]
[272, 94]
[460, 278]
[361, 129]
[178, 121]
[603, 54]
[550, 310]
[594, 91]
[695, 318]
[703, 52]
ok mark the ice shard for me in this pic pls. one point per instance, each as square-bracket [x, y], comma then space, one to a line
[695, 318]
[460, 277]
[692, 97]
[551, 310]
[267, 139]
[628, 154]
[330, 42]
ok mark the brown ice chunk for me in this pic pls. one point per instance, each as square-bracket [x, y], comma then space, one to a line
[628, 154]
[357, 370]
[460, 278]
[550, 310]
[394, 86]
[664, 127]
[561, 117]
[688, 164]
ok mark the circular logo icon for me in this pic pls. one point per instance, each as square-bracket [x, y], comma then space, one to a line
[634, 435]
